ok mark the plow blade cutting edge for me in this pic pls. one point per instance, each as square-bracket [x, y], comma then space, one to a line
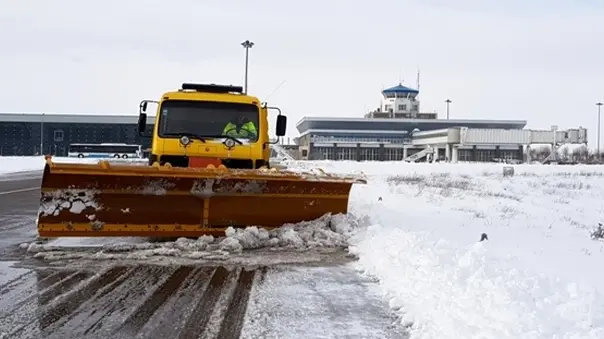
[123, 200]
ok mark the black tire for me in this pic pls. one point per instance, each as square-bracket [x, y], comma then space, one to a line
[80, 155]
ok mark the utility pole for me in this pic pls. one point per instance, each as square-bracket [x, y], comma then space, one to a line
[448, 101]
[599, 104]
[247, 45]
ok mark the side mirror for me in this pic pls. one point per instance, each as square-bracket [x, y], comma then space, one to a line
[142, 123]
[143, 107]
[281, 125]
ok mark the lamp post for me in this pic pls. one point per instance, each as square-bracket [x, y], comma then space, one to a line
[42, 134]
[599, 104]
[448, 101]
[247, 45]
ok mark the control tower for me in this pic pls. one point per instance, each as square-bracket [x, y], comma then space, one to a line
[399, 102]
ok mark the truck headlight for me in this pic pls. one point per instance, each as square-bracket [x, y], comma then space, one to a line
[229, 143]
[184, 140]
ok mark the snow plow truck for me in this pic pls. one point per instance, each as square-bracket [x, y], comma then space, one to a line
[208, 170]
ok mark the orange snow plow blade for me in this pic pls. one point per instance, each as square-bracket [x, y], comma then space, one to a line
[107, 199]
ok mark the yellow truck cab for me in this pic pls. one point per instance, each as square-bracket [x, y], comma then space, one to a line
[207, 124]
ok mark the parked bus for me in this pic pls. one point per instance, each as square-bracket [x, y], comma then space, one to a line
[105, 151]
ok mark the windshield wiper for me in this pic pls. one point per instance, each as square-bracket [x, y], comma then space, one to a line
[186, 134]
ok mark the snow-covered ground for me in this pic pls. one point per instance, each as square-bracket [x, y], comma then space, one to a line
[34, 163]
[20, 164]
[537, 275]
[417, 230]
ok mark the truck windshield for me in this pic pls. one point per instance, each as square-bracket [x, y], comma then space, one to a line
[208, 119]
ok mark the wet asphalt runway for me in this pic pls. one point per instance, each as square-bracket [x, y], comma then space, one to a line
[118, 300]
[19, 199]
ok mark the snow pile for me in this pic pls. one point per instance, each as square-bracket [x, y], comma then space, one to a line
[449, 292]
[21, 164]
[328, 233]
[534, 277]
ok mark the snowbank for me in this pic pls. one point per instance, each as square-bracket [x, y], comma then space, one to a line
[326, 233]
[534, 277]
[21, 164]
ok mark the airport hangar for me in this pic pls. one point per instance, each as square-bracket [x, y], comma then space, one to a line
[27, 134]
[395, 131]
[398, 131]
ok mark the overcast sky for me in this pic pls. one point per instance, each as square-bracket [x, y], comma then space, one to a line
[539, 60]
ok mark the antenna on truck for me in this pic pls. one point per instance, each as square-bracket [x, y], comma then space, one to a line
[275, 90]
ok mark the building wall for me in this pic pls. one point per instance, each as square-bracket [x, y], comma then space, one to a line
[376, 137]
[381, 152]
[23, 138]
[400, 107]
[307, 139]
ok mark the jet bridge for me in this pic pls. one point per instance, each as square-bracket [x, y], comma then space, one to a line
[456, 138]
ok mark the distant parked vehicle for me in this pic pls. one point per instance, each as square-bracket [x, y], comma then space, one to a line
[105, 150]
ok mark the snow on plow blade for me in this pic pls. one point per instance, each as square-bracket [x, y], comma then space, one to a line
[158, 201]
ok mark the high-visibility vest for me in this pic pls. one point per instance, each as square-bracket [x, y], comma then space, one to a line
[248, 130]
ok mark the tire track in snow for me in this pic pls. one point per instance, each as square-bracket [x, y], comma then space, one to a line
[200, 316]
[233, 322]
[143, 301]
[134, 323]
[17, 301]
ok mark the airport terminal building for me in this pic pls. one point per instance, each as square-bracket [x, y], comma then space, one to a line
[398, 130]
[388, 139]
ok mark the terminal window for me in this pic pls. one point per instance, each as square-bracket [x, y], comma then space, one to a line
[58, 135]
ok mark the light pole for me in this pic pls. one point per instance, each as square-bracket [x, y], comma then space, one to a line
[448, 101]
[247, 45]
[42, 134]
[599, 104]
